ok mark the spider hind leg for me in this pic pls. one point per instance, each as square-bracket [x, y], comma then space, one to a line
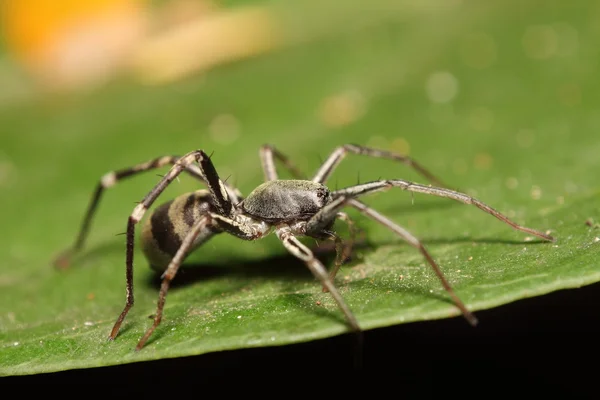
[110, 179]
[222, 202]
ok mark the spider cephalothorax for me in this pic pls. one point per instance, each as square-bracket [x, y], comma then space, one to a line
[290, 208]
[286, 200]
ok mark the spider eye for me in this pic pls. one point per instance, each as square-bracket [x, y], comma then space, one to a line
[322, 194]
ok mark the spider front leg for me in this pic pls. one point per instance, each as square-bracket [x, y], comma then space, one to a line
[377, 186]
[319, 221]
[111, 179]
[222, 204]
[347, 196]
[268, 155]
[340, 153]
[296, 248]
[343, 249]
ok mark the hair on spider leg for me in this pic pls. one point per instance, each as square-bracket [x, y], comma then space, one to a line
[292, 209]
[320, 159]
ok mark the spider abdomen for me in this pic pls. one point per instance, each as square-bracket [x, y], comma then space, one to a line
[286, 200]
[167, 226]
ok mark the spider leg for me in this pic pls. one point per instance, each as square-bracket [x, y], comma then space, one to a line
[339, 153]
[112, 178]
[268, 154]
[247, 230]
[343, 249]
[377, 186]
[413, 241]
[319, 221]
[296, 248]
[347, 196]
[186, 246]
[203, 227]
[217, 190]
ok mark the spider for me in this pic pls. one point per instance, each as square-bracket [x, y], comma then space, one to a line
[291, 208]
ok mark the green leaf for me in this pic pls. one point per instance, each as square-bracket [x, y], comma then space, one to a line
[519, 133]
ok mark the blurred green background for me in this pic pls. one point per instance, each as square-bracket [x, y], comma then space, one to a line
[498, 99]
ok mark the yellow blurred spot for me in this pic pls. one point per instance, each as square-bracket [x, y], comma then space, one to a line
[176, 12]
[568, 39]
[224, 129]
[199, 44]
[342, 109]
[401, 146]
[441, 87]
[540, 42]
[483, 161]
[31, 25]
[536, 192]
[71, 42]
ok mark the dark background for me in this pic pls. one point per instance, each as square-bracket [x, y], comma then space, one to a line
[545, 345]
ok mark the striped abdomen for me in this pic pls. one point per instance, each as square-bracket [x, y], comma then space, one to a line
[167, 226]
